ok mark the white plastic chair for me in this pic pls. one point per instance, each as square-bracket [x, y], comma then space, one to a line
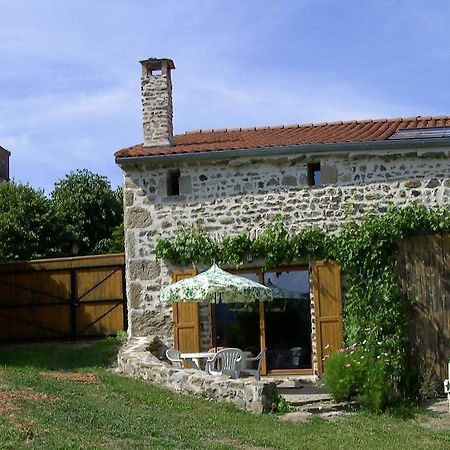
[447, 385]
[225, 362]
[173, 355]
[252, 366]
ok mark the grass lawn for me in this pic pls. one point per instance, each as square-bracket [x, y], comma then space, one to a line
[55, 396]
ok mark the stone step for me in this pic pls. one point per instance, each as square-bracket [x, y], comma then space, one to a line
[301, 392]
[308, 399]
[289, 382]
[299, 398]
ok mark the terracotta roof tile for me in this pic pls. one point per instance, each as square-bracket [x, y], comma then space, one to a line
[279, 136]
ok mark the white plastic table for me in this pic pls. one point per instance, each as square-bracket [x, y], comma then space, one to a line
[196, 357]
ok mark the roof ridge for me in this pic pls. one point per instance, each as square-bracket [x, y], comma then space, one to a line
[313, 125]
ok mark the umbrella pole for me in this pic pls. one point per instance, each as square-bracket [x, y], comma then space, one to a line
[213, 324]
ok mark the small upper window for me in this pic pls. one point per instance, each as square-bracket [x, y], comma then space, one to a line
[173, 183]
[421, 133]
[314, 174]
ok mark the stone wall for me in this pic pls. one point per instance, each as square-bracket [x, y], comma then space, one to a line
[136, 360]
[221, 179]
[246, 194]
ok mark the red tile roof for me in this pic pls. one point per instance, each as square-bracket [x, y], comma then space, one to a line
[279, 136]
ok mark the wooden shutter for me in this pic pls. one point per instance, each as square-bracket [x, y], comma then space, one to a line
[185, 320]
[328, 309]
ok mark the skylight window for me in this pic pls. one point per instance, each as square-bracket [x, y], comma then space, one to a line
[421, 133]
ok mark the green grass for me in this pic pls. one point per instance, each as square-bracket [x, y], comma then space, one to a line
[122, 413]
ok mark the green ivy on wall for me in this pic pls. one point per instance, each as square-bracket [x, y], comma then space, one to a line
[275, 245]
[375, 310]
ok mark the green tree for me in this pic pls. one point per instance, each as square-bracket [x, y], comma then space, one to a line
[89, 211]
[116, 244]
[28, 229]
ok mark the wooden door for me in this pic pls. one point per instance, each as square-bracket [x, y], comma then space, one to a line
[326, 280]
[185, 320]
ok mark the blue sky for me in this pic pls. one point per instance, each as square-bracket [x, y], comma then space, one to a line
[70, 86]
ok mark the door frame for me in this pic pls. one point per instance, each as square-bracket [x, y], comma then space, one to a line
[262, 316]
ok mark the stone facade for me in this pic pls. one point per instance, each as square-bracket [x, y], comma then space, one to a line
[136, 359]
[242, 193]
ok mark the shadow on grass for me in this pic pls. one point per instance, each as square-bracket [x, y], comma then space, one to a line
[61, 356]
[403, 411]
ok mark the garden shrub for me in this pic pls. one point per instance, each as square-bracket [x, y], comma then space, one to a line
[361, 373]
[340, 377]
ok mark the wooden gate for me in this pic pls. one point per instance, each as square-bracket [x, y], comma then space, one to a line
[62, 298]
[424, 270]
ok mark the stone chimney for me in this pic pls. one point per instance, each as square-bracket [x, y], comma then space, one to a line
[156, 91]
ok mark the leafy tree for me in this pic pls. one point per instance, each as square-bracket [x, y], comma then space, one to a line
[116, 244]
[28, 229]
[89, 211]
[113, 244]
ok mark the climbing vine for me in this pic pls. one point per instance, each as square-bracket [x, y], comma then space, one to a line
[375, 309]
[274, 245]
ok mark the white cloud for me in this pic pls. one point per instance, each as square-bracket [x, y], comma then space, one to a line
[44, 108]
[83, 104]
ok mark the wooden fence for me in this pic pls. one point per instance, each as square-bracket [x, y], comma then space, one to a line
[62, 298]
[424, 269]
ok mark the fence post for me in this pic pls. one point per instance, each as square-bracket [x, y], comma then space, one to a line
[73, 303]
[124, 300]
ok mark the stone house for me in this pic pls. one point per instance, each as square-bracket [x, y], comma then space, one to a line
[4, 164]
[238, 179]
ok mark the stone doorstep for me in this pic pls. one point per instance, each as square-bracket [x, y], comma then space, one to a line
[289, 381]
[326, 407]
[306, 399]
[304, 392]
[327, 410]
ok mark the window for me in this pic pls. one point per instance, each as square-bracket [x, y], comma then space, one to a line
[288, 320]
[284, 323]
[173, 183]
[314, 174]
[417, 133]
